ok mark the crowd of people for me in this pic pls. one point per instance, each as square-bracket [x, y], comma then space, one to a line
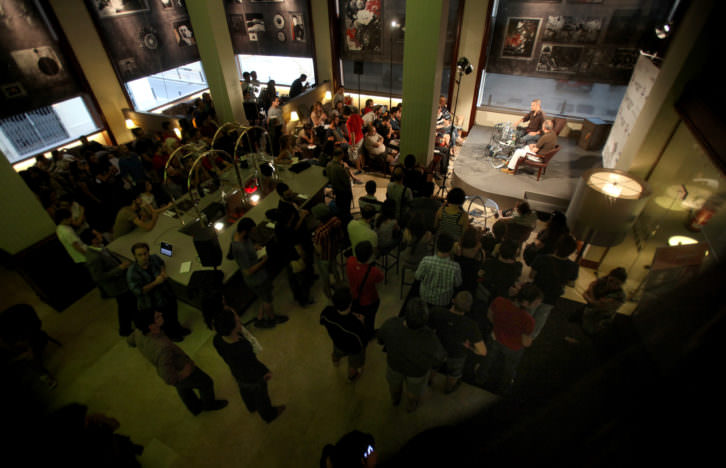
[470, 314]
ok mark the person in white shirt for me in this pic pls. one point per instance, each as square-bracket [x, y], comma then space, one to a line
[68, 237]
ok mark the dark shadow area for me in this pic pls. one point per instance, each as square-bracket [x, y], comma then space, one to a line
[648, 395]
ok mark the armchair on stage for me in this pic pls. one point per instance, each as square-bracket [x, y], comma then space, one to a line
[540, 161]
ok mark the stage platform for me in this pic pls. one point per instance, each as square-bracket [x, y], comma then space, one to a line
[473, 173]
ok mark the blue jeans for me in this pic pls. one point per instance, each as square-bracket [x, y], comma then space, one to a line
[199, 380]
[500, 367]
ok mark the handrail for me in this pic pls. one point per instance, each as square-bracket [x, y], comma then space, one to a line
[193, 148]
[192, 173]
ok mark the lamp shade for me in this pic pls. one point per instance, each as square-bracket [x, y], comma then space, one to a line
[605, 205]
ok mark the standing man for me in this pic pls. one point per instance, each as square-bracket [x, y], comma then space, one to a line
[439, 274]
[340, 181]
[535, 119]
[413, 350]
[254, 274]
[67, 236]
[148, 281]
[275, 123]
[233, 345]
[109, 273]
[172, 364]
[551, 273]
[360, 230]
[457, 333]
[512, 333]
[297, 86]
[347, 331]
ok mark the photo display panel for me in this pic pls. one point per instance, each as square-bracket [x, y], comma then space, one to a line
[270, 27]
[144, 37]
[35, 72]
[586, 40]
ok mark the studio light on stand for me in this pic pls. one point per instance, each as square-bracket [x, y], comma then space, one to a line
[604, 207]
[664, 30]
[463, 67]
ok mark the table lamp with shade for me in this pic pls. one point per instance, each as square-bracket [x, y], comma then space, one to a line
[604, 207]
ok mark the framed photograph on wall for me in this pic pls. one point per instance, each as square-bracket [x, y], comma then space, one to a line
[572, 30]
[297, 27]
[558, 58]
[184, 34]
[255, 23]
[113, 8]
[520, 35]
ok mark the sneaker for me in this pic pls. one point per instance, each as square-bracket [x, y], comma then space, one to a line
[358, 172]
[262, 323]
[217, 405]
[357, 182]
[506, 170]
[281, 318]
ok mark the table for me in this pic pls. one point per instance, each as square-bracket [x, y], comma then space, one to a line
[307, 183]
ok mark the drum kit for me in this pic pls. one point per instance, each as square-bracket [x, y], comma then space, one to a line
[501, 145]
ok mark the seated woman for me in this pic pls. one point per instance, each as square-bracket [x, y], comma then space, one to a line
[318, 115]
[306, 141]
[287, 152]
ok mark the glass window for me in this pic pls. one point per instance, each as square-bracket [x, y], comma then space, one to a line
[284, 70]
[25, 135]
[161, 88]
[570, 98]
[376, 77]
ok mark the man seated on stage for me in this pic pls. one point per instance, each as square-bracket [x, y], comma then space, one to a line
[535, 117]
[545, 143]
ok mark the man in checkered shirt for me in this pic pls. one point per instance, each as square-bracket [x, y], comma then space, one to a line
[439, 274]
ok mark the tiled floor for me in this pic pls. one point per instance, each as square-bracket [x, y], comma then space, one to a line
[96, 367]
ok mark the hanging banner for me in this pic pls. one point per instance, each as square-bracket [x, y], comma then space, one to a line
[144, 37]
[641, 82]
[35, 73]
[270, 27]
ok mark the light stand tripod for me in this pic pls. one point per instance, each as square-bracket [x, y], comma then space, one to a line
[463, 67]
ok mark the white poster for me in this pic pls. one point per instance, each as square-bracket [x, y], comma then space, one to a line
[641, 82]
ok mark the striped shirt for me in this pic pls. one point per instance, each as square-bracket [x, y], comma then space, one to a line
[439, 277]
[449, 223]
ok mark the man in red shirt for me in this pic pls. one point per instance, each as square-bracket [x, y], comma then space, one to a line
[363, 279]
[354, 123]
[512, 328]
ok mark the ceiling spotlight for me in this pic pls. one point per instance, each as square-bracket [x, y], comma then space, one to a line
[464, 65]
[661, 32]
